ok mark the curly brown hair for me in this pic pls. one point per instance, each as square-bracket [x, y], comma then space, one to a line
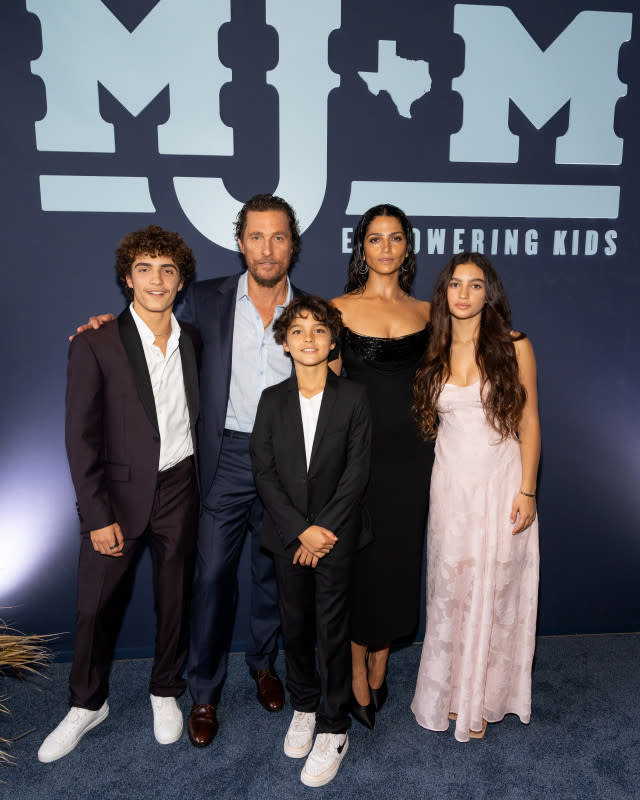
[321, 310]
[269, 202]
[503, 396]
[153, 241]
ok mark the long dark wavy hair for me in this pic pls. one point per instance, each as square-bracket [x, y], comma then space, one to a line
[358, 273]
[503, 396]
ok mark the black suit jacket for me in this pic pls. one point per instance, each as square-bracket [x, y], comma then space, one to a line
[111, 431]
[330, 492]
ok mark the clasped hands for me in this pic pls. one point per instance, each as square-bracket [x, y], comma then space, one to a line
[315, 543]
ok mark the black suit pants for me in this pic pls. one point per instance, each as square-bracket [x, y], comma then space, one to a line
[315, 609]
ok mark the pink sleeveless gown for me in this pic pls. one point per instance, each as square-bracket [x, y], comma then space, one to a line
[482, 582]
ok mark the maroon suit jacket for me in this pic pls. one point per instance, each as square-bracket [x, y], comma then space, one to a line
[111, 432]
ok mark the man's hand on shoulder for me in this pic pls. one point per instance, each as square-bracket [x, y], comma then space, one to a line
[94, 322]
[108, 541]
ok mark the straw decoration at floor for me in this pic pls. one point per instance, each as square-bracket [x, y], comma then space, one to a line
[20, 655]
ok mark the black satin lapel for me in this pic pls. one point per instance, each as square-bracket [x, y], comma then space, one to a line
[293, 424]
[326, 409]
[130, 339]
[190, 376]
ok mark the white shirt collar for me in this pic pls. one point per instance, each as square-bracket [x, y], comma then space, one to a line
[146, 334]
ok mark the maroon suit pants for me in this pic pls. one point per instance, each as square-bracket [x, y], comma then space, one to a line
[104, 589]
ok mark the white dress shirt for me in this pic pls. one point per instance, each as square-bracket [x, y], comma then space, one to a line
[256, 360]
[169, 394]
[310, 410]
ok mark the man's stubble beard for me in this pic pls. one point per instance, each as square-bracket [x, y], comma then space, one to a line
[270, 282]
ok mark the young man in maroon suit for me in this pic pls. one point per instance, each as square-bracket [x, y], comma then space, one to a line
[131, 411]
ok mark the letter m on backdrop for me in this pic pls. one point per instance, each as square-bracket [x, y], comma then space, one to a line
[503, 62]
[175, 44]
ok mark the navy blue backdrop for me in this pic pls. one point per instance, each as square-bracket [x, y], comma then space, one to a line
[509, 129]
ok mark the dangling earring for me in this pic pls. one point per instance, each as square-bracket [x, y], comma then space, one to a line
[363, 269]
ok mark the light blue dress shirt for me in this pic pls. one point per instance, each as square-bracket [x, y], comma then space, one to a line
[256, 360]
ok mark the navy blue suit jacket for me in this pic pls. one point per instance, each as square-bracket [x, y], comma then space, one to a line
[210, 307]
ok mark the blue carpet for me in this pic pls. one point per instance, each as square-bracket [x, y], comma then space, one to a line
[583, 740]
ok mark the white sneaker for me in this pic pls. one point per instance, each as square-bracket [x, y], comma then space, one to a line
[299, 738]
[73, 727]
[322, 764]
[167, 719]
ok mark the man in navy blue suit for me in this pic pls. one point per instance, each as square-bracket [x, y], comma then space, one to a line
[240, 358]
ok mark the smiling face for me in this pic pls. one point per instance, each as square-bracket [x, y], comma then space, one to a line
[466, 293]
[308, 341]
[267, 246]
[155, 282]
[385, 245]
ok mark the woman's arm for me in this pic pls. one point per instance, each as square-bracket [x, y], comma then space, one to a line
[529, 436]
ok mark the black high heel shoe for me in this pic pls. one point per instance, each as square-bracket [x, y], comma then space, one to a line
[366, 715]
[378, 696]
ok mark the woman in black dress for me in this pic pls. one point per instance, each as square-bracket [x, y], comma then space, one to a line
[386, 333]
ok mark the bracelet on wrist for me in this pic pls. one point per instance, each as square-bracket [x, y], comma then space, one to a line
[527, 494]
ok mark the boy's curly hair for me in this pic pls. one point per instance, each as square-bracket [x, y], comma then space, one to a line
[153, 241]
[321, 310]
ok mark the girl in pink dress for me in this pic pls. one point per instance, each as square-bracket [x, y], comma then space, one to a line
[476, 389]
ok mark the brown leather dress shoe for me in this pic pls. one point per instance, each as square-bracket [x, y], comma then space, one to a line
[202, 725]
[270, 689]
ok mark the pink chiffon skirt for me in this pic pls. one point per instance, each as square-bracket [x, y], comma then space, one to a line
[482, 581]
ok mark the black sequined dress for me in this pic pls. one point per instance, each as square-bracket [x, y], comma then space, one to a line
[387, 572]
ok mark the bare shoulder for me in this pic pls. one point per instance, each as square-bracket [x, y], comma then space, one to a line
[523, 348]
[424, 307]
[342, 302]
[521, 341]
[347, 305]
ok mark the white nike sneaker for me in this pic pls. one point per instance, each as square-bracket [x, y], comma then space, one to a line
[167, 719]
[73, 727]
[324, 760]
[299, 738]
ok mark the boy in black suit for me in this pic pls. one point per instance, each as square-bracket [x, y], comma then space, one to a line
[310, 450]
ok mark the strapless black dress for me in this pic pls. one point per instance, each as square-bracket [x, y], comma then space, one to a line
[386, 586]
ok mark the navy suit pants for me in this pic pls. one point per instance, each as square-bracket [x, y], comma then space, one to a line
[231, 510]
